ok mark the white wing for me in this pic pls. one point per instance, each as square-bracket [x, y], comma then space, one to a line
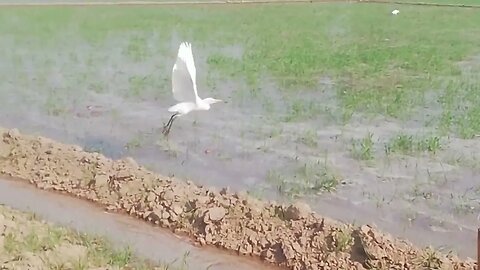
[184, 86]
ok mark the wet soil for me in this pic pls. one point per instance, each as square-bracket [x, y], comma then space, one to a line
[158, 246]
[290, 236]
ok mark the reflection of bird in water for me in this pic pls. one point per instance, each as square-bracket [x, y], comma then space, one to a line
[184, 87]
[395, 12]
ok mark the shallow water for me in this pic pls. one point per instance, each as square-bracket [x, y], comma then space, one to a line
[155, 244]
[101, 98]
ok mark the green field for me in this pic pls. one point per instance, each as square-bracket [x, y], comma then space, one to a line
[381, 64]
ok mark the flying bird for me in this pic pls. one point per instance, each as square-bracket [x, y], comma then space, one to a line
[184, 87]
[395, 12]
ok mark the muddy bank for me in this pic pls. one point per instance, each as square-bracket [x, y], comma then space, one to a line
[290, 236]
[158, 246]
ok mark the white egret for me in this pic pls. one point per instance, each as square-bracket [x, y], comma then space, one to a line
[395, 12]
[184, 87]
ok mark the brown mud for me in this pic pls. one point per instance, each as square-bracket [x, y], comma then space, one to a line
[290, 236]
[156, 245]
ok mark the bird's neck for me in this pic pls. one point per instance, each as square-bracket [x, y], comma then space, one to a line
[202, 104]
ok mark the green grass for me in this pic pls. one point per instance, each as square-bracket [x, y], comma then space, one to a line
[343, 240]
[409, 144]
[301, 109]
[26, 236]
[363, 149]
[307, 179]
[99, 251]
[461, 113]
[382, 64]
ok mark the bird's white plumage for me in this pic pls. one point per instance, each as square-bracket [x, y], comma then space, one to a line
[395, 12]
[184, 85]
[183, 107]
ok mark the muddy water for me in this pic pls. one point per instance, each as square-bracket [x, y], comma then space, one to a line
[155, 244]
[105, 100]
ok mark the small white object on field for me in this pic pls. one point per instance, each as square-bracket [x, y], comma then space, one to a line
[184, 87]
[395, 12]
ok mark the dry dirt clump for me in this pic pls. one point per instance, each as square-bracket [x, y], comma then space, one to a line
[290, 236]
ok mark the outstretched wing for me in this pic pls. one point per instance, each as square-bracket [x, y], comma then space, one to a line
[184, 85]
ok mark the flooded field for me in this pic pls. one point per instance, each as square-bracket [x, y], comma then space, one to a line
[371, 118]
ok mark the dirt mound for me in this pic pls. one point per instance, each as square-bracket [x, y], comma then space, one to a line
[291, 236]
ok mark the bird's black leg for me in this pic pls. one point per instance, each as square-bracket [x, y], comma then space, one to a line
[168, 126]
[167, 131]
[169, 121]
